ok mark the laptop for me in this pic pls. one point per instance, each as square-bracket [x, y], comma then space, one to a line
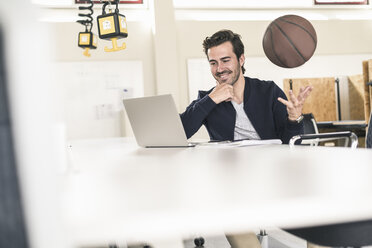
[155, 122]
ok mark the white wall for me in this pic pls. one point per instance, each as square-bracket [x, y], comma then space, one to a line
[338, 41]
[200, 78]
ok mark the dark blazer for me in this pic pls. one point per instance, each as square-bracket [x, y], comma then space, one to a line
[268, 116]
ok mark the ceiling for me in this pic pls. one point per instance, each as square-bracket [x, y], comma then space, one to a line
[227, 4]
[222, 10]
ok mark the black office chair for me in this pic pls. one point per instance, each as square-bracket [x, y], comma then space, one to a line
[312, 136]
[314, 139]
[310, 126]
[349, 234]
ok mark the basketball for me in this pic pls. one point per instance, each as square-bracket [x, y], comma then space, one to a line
[289, 41]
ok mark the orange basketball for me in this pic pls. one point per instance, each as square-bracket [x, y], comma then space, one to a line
[289, 41]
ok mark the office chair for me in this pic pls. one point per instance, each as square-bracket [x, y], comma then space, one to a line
[315, 138]
[312, 136]
[310, 125]
[349, 234]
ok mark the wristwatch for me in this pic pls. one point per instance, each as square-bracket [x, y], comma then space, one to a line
[298, 120]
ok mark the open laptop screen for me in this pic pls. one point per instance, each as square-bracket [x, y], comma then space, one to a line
[155, 121]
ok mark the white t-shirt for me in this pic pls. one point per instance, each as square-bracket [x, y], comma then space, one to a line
[243, 126]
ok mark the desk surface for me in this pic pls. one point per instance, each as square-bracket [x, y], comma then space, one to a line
[114, 190]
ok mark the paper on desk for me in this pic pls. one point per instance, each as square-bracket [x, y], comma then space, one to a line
[242, 143]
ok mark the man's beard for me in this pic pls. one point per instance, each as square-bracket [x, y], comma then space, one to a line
[233, 80]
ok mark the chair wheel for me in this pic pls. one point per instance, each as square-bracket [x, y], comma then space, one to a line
[199, 242]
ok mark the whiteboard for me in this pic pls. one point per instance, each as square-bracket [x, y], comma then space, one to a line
[92, 93]
[200, 78]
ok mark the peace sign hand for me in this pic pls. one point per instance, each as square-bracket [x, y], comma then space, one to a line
[295, 104]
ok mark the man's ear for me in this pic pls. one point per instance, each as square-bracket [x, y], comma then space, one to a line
[242, 59]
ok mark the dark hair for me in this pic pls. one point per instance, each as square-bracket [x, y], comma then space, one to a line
[223, 36]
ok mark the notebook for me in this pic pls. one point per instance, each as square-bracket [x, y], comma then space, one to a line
[155, 122]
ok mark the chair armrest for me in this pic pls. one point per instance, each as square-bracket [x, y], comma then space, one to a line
[324, 137]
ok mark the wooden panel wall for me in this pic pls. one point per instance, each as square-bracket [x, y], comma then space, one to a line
[367, 77]
[356, 97]
[322, 101]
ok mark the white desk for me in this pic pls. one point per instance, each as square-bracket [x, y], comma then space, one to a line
[115, 190]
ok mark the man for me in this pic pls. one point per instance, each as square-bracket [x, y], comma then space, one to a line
[240, 107]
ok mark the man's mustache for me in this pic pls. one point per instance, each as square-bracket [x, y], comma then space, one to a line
[222, 72]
